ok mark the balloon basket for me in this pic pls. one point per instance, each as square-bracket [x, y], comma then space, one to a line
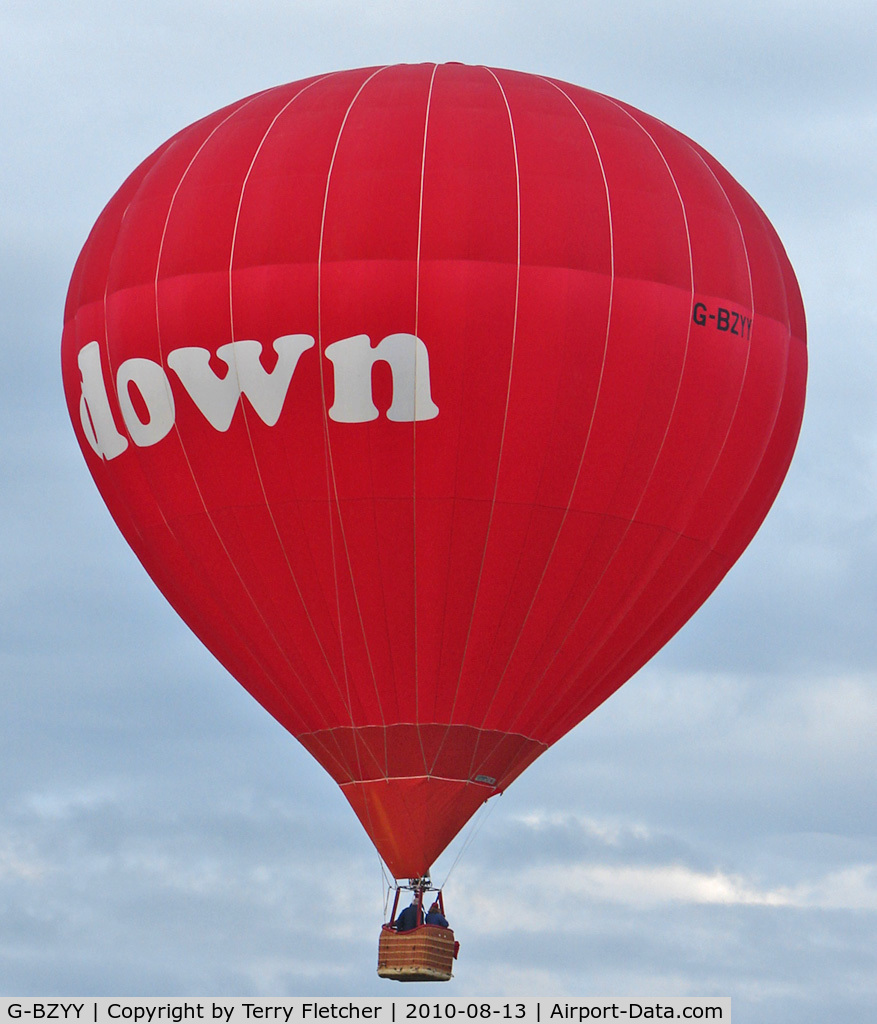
[425, 953]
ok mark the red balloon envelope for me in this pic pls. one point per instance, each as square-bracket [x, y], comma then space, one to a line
[435, 399]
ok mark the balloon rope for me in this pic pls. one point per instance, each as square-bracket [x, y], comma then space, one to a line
[476, 826]
[417, 710]
[505, 418]
[283, 697]
[332, 485]
[386, 884]
[587, 440]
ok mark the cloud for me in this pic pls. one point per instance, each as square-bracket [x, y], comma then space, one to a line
[18, 864]
[632, 864]
[854, 888]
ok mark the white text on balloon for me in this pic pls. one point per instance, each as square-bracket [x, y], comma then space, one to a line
[218, 397]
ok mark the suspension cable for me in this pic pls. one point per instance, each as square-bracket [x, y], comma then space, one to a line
[475, 827]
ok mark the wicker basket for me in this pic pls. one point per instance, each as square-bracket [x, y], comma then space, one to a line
[425, 953]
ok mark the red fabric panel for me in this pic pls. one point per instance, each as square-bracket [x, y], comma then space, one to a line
[411, 821]
[458, 752]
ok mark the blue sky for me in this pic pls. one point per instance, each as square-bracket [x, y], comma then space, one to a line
[709, 831]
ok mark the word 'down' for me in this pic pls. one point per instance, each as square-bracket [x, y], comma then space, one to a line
[145, 398]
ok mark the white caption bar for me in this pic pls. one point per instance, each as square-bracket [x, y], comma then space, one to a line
[383, 1010]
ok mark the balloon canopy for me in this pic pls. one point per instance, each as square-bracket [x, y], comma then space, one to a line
[435, 399]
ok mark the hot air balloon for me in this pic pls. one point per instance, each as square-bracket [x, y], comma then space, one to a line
[435, 399]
